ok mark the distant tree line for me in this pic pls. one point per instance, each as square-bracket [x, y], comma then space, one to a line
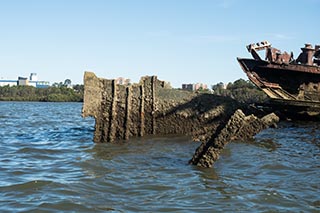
[60, 93]
[240, 90]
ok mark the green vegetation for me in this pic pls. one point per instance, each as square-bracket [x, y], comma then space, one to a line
[51, 94]
[240, 90]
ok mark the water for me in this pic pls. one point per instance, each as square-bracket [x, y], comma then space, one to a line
[48, 163]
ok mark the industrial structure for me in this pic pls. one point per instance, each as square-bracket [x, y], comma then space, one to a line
[31, 81]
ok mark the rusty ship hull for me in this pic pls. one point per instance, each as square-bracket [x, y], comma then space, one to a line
[291, 86]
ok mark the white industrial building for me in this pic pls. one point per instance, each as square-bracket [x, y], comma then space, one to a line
[31, 81]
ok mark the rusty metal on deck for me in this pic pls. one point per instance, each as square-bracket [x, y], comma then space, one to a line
[288, 82]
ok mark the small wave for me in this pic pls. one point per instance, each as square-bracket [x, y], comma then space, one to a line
[73, 206]
[33, 151]
[35, 184]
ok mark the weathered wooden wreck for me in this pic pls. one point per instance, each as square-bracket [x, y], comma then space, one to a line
[150, 107]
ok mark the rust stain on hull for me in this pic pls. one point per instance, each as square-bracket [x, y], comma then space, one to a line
[291, 84]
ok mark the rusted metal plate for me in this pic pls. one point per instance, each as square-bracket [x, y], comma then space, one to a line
[287, 81]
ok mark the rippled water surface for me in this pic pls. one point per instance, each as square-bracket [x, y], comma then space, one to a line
[48, 163]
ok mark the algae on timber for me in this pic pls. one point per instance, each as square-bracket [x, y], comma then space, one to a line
[238, 127]
[150, 108]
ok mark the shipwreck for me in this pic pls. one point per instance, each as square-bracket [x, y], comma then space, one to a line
[151, 107]
[292, 85]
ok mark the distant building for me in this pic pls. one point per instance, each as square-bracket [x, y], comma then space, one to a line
[187, 87]
[23, 81]
[42, 84]
[122, 81]
[8, 83]
[198, 86]
[194, 87]
[32, 81]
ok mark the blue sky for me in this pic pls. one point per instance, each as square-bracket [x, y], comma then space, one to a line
[181, 41]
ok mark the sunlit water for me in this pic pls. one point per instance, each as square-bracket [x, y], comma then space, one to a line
[48, 163]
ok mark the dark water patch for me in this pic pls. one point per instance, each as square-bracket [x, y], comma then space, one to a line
[31, 185]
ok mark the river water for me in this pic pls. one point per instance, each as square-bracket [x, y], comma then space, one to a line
[48, 163]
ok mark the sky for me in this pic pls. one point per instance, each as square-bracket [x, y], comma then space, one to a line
[180, 41]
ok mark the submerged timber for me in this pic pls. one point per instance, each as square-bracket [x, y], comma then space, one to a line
[293, 85]
[152, 107]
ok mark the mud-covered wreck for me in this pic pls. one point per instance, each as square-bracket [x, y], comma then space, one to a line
[293, 85]
[151, 107]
